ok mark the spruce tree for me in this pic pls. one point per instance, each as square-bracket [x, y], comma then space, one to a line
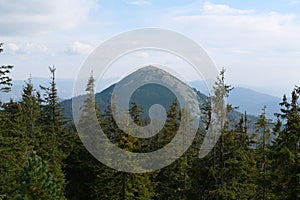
[285, 151]
[227, 171]
[57, 144]
[12, 148]
[109, 183]
[173, 180]
[218, 110]
[263, 161]
[137, 186]
[31, 117]
[5, 80]
[112, 184]
[89, 179]
[36, 181]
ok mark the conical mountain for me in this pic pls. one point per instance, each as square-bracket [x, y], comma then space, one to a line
[145, 95]
[150, 94]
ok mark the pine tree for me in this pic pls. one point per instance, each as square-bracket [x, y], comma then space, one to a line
[89, 179]
[239, 167]
[36, 181]
[5, 80]
[109, 183]
[31, 115]
[227, 171]
[218, 110]
[263, 148]
[137, 186]
[23, 131]
[285, 151]
[173, 180]
[57, 144]
[121, 185]
[12, 148]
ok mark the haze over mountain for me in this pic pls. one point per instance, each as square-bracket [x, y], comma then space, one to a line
[147, 95]
[64, 86]
[246, 99]
[253, 102]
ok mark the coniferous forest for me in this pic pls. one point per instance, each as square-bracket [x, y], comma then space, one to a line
[42, 157]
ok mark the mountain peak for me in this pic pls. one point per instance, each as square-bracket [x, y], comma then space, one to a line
[151, 70]
[148, 68]
[152, 73]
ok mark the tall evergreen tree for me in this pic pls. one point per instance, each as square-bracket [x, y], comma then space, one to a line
[285, 151]
[227, 171]
[57, 137]
[137, 186]
[218, 109]
[109, 183]
[12, 147]
[263, 148]
[5, 80]
[89, 179]
[31, 115]
[173, 181]
[122, 185]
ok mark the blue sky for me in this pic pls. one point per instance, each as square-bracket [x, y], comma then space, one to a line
[258, 42]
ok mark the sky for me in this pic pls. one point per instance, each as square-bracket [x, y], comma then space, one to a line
[257, 42]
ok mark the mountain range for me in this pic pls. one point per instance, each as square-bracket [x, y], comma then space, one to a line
[245, 99]
[148, 95]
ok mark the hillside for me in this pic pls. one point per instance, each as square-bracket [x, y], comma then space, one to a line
[64, 86]
[253, 102]
[146, 96]
[247, 100]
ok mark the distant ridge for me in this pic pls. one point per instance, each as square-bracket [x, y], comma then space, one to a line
[253, 101]
[246, 99]
[146, 96]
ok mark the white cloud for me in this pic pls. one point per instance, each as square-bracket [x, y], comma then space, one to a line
[13, 47]
[220, 9]
[139, 2]
[79, 48]
[27, 48]
[225, 27]
[295, 1]
[36, 47]
[258, 48]
[142, 54]
[31, 17]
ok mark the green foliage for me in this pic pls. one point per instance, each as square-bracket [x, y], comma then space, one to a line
[36, 181]
[285, 151]
[172, 180]
[13, 147]
[263, 160]
[5, 80]
[22, 132]
[82, 167]
[58, 141]
[2, 196]
[227, 171]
